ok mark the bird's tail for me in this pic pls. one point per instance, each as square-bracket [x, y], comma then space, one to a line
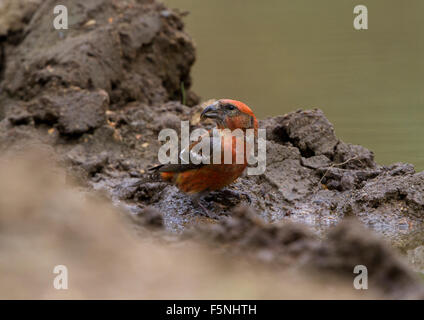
[153, 175]
[155, 168]
[159, 171]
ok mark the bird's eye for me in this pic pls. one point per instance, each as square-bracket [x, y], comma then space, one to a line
[230, 107]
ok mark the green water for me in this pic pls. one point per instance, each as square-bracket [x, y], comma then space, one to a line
[280, 55]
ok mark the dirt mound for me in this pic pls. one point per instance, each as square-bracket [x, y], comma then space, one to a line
[134, 50]
[99, 93]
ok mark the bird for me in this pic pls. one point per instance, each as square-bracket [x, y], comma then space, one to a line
[199, 179]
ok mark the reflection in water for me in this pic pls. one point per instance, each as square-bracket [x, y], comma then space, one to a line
[280, 56]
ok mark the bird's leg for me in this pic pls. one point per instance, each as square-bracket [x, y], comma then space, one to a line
[196, 201]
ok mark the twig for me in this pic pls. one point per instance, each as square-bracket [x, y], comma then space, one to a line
[337, 165]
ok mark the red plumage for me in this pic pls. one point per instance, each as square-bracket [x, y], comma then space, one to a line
[192, 179]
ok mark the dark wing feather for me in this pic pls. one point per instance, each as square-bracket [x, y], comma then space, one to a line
[179, 167]
[176, 167]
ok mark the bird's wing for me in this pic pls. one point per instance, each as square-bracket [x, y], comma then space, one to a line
[176, 167]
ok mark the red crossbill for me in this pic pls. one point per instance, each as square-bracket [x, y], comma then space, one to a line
[197, 179]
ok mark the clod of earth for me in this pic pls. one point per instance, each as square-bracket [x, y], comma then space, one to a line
[98, 94]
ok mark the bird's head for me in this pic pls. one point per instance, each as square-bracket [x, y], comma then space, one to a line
[231, 114]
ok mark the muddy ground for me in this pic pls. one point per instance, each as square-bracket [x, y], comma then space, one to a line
[97, 95]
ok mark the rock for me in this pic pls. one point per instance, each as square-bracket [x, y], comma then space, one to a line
[92, 164]
[402, 194]
[14, 15]
[351, 156]
[168, 121]
[20, 118]
[80, 112]
[344, 179]
[74, 111]
[316, 162]
[309, 131]
[400, 169]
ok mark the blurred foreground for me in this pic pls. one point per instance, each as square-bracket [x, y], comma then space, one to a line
[45, 223]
